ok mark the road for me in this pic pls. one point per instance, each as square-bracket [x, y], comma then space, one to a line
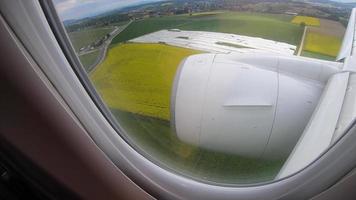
[302, 42]
[104, 47]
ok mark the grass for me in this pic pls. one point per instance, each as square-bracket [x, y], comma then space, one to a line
[204, 14]
[138, 77]
[231, 45]
[83, 38]
[309, 21]
[88, 59]
[269, 26]
[322, 44]
[154, 138]
[317, 55]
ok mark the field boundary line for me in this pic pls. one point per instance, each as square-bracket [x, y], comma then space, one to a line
[302, 42]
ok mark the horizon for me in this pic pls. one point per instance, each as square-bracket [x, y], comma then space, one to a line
[79, 9]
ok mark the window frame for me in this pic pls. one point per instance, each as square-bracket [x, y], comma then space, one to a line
[41, 37]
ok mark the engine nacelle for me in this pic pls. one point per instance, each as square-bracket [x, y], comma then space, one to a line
[234, 107]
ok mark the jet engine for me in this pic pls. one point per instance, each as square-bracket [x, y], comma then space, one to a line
[249, 105]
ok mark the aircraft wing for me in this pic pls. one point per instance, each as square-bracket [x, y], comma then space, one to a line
[348, 48]
[348, 45]
[336, 109]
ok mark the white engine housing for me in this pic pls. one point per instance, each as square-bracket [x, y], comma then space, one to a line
[243, 105]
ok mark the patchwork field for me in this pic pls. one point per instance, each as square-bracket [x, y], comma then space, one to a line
[322, 43]
[330, 27]
[267, 26]
[86, 37]
[309, 21]
[138, 77]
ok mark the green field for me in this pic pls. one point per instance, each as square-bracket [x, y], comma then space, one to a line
[268, 26]
[322, 43]
[309, 21]
[138, 77]
[204, 14]
[86, 37]
[88, 59]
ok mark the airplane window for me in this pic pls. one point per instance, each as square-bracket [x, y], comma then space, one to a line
[231, 92]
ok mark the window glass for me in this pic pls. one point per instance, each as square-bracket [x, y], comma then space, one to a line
[220, 91]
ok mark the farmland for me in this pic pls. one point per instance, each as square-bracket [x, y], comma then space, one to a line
[267, 26]
[86, 37]
[88, 59]
[325, 41]
[309, 21]
[204, 14]
[321, 43]
[140, 79]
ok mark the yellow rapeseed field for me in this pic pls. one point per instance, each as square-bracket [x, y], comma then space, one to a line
[309, 21]
[322, 43]
[138, 77]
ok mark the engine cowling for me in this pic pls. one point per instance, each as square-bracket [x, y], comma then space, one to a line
[234, 107]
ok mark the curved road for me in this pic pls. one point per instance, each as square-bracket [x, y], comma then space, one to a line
[104, 47]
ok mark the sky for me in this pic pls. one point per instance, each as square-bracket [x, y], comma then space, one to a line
[76, 9]
[345, 1]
